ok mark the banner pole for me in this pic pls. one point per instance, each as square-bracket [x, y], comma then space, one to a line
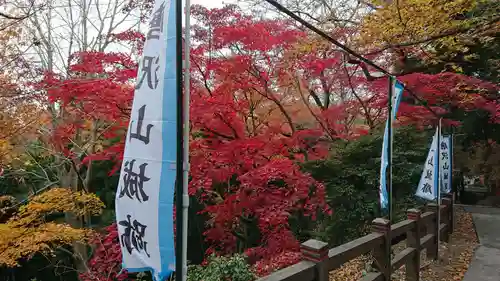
[185, 177]
[438, 188]
[389, 147]
[452, 150]
[389, 163]
[179, 186]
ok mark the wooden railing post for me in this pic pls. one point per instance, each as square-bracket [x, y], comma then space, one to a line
[432, 249]
[413, 240]
[317, 252]
[382, 253]
[446, 219]
[449, 202]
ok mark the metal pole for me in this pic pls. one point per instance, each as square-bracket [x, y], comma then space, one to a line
[438, 224]
[389, 177]
[389, 146]
[185, 177]
[180, 151]
[452, 150]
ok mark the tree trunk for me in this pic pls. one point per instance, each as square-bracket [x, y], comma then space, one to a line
[69, 179]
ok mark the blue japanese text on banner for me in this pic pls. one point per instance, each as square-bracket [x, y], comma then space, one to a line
[144, 198]
[445, 164]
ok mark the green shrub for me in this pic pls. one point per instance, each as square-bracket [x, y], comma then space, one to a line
[220, 268]
[351, 176]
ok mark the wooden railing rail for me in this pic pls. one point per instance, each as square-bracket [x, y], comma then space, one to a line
[419, 230]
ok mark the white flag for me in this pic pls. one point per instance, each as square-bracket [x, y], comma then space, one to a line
[445, 164]
[427, 187]
[144, 197]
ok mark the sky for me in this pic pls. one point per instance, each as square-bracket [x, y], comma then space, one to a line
[59, 26]
[213, 3]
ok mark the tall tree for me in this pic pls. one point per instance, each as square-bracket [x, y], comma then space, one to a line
[425, 29]
[63, 33]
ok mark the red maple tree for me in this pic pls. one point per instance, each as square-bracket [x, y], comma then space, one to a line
[260, 106]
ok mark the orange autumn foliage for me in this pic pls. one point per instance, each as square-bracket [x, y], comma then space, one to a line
[21, 116]
[28, 232]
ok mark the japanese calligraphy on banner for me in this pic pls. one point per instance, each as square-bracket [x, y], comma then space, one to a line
[427, 187]
[396, 99]
[445, 163]
[144, 198]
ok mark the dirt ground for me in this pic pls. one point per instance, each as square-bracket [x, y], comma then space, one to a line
[453, 261]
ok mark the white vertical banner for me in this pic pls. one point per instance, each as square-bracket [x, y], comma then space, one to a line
[427, 187]
[445, 164]
[144, 198]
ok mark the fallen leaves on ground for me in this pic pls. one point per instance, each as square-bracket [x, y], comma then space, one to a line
[353, 270]
[453, 262]
[456, 255]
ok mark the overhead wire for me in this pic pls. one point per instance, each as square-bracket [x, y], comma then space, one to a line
[348, 50]
[345, 48]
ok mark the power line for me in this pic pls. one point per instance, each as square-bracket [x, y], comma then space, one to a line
[318, 31]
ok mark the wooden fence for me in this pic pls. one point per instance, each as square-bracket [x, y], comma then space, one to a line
[419, 230]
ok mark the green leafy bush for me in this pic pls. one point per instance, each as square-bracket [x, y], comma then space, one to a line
[351, 176]
[220, 268]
